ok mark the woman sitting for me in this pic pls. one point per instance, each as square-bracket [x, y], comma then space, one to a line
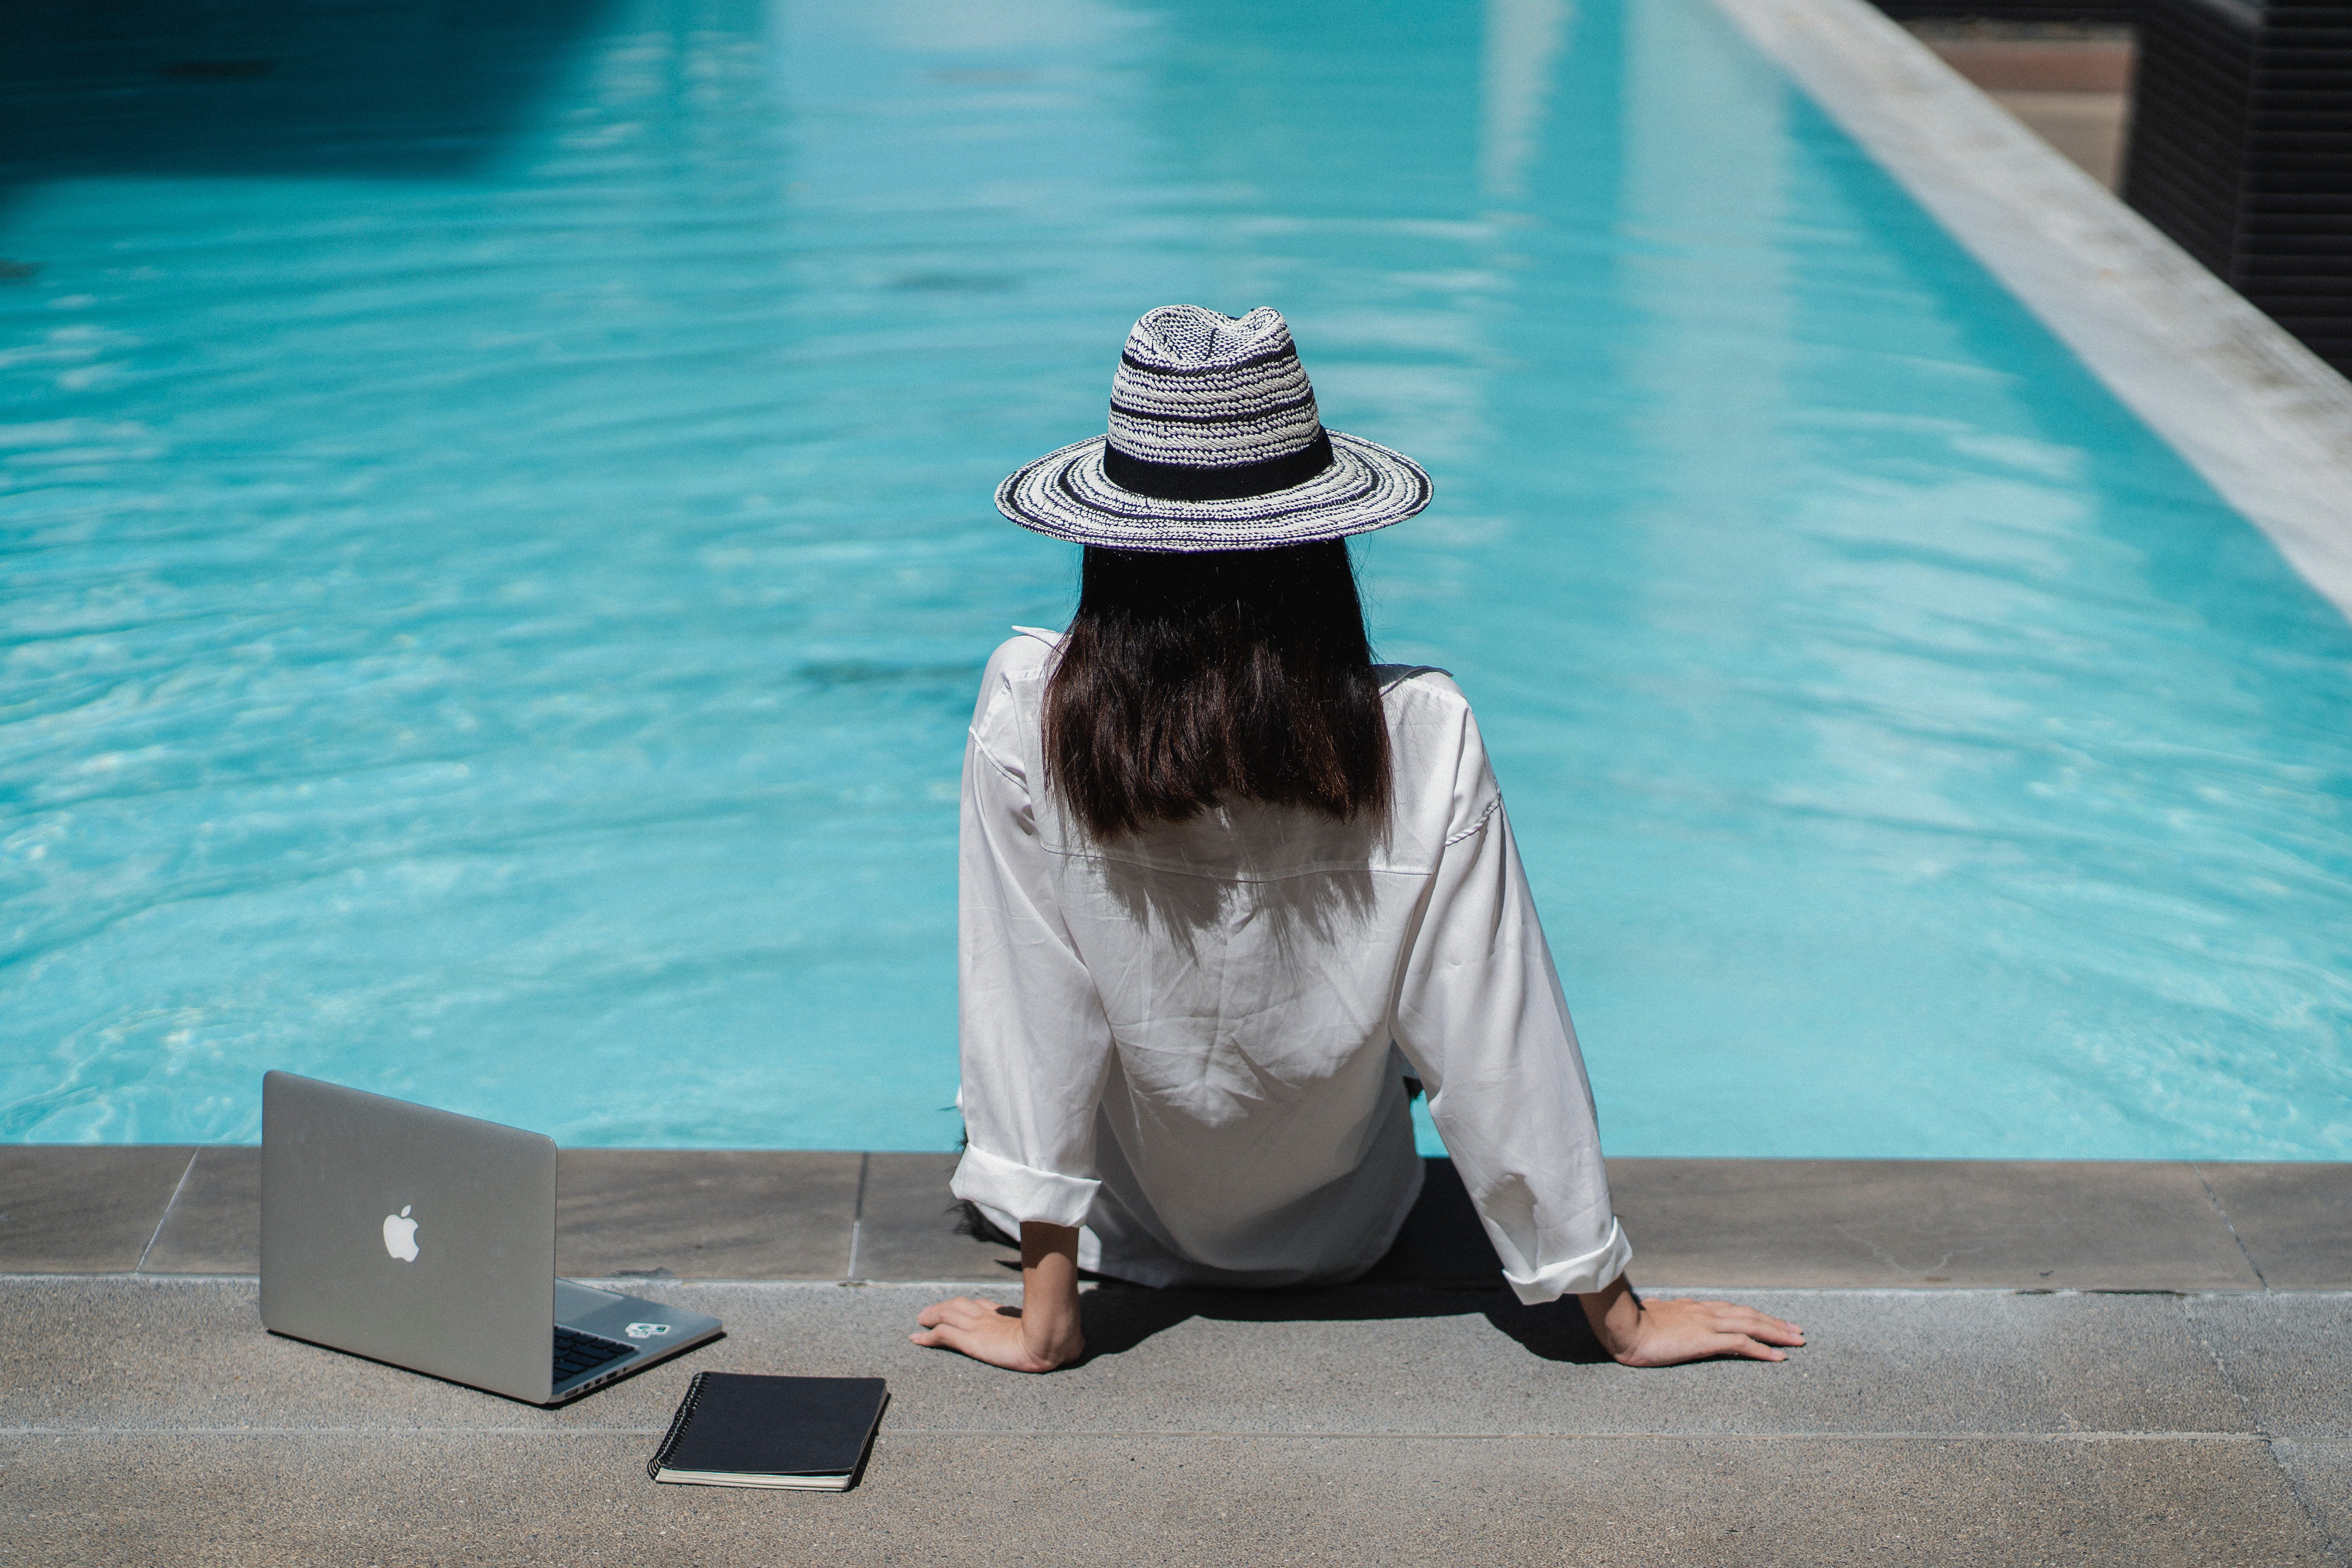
[1226, 885]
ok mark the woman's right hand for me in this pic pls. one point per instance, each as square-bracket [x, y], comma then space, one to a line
[1666, 1334]
[1040, 1334]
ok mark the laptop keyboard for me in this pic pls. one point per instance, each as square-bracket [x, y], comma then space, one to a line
[577, 1352]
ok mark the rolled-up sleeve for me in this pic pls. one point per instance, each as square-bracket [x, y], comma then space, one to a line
[1034, 1042]
[1481, 1015]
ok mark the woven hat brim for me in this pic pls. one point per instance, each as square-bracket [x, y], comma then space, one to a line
[1066, 494]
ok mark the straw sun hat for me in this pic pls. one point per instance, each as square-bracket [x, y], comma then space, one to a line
[1214, 444]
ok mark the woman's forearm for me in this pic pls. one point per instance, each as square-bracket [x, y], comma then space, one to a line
[1616, 1314]
[1049, 1292]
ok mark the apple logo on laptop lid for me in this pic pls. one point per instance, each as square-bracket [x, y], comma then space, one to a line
[400, 1234]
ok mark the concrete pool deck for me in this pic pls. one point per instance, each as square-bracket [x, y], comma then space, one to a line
[2011, 1363]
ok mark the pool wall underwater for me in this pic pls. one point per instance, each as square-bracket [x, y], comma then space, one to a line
[497, 556]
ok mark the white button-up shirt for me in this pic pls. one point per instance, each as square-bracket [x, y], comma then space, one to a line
[1191, 1041]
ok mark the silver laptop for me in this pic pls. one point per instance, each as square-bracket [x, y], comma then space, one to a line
[427, 1239]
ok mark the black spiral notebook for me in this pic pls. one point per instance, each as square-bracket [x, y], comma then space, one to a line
[741, 1429]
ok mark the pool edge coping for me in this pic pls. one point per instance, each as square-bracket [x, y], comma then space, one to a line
[671, 1216]
[2258, 415]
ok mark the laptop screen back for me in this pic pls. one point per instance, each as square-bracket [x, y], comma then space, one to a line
[408, 1234]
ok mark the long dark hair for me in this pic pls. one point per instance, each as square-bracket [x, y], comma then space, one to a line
[1190, 678]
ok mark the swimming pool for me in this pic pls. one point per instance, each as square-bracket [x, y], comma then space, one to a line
[498, 555]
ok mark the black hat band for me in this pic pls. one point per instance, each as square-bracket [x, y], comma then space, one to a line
[1182, 481]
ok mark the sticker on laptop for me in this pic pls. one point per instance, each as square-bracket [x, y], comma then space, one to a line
[646, 1331]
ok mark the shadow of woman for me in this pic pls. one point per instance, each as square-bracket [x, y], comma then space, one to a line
[1119, 1318]
[1439, 1265]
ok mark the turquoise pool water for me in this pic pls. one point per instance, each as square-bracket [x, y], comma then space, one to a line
[497, 554]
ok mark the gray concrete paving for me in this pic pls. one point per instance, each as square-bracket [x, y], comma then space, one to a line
[84, 1207]
[907, 1224]
[1203, 1502]
[1422, 1416]
[1419, 1415]
[213, 1225]
[2321, 1475]
[768, 1213]
[2285, 1356]
[148, 1419]
[114, 1355]
[2294, 1221]
[2069, 1224]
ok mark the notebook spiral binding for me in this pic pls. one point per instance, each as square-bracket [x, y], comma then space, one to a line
[676, 1428]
